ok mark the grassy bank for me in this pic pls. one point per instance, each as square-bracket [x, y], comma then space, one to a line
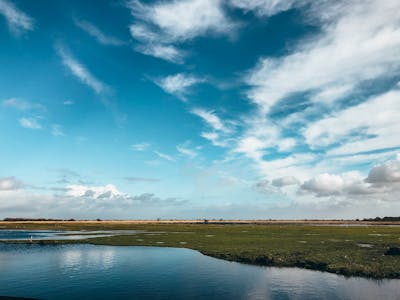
[353, 250]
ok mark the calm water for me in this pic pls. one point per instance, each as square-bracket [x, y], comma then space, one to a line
[107, 272]
[58, 234]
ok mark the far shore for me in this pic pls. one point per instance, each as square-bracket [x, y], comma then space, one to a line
[208, 221]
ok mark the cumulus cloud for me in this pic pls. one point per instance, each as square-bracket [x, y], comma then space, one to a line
[108, 191]
[178, 84]
[324, 184]
[95, 32]
[10, 184]
[79, 201]
[382, 183]
[18, 21]
[159, 26]
[387, 173]
[285, 181]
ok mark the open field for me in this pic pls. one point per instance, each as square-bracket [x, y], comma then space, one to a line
[347, 250]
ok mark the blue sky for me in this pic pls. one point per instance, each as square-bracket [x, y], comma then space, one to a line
[199, 109]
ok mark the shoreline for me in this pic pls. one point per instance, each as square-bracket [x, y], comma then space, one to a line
[209, 221]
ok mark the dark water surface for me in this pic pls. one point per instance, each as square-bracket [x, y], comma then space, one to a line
[116, 272]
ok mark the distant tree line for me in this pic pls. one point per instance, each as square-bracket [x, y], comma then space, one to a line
[383, 219]
[33, 219]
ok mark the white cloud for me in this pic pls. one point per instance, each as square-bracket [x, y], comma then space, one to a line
[166, 52]
[95, 32]
[10, 184]
[299, 165]
[388, 172]
[342, 188]
[108, 191]
[16, 103]
[359, 42]
[140, 146]
[17, 21]
[185, 150]
[285, 181]
[185, 19]
[79, 201]
[178, 84]
[21, 104]
[68, 102]
[324, 184]
[266, 7]
[30, 123]
[262, 136]
[214, 138]
[381, 184]
[56, 130]
[371, 125]
[80, 71]
[211, 119]
[164, 156]
[252, 147]
[160, 25]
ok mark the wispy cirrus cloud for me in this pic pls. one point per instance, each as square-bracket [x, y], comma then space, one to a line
[164, 156]
[84, 75]
[141, 179]
[266, 8]
[211, 119]
[312, 107]
[188, 151]
[57, 130]
[220, 129]
[18, 21]
[162, 25]
[80, 71]
[95, 32]
[140, 146]
[368, 126]
[30, 123]
[354, 55]
[22, 105]
[178, 84]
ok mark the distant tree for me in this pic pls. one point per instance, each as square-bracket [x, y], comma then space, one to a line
[205, 221]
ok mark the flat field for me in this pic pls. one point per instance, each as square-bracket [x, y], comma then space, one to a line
[331, 246]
